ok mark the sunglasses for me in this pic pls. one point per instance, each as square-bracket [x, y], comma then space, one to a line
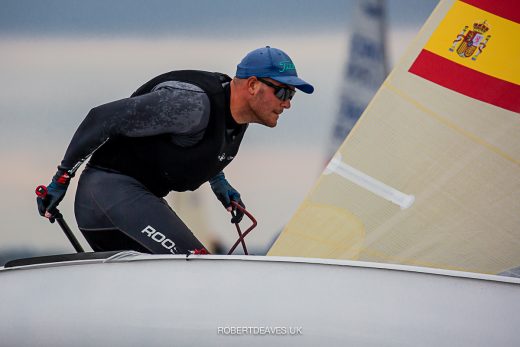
[282, 93]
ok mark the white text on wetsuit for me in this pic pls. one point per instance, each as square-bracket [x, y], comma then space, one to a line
[160, 238]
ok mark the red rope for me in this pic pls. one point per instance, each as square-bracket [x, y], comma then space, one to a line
[240, 235]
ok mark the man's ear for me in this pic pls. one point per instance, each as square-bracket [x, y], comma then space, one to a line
[252, 85]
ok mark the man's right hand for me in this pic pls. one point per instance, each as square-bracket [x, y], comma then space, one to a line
[48, 205]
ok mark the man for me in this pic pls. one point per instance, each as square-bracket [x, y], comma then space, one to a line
[176, 132]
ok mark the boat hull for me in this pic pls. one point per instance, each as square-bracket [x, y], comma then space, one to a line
[135, 300]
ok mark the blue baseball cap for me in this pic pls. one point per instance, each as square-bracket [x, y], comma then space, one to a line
[273, 63]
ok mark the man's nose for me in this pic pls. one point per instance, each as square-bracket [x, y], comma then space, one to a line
[286, 104]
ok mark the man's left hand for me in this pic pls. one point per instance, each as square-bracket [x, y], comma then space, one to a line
[225, 193]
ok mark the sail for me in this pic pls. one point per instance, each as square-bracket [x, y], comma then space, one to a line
[366, 67]
[430, 174]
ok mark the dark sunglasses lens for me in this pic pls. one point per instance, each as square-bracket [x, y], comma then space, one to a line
[285, 94]
[280, 94]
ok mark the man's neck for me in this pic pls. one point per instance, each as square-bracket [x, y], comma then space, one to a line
[237, 103]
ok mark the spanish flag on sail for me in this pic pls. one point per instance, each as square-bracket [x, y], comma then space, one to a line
[476, 51]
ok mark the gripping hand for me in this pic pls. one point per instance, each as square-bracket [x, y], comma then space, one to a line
[225, 193]
[48, 202]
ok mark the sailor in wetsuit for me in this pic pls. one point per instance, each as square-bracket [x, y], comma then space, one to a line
[176, 132]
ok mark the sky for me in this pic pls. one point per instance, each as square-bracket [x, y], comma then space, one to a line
[208, 18]
[61, 58]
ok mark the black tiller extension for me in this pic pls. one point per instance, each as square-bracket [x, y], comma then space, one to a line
[42, 191]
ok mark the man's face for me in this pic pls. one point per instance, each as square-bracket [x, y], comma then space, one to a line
[266, 105]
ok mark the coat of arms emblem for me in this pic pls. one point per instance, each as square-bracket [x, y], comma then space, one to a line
[472, 43]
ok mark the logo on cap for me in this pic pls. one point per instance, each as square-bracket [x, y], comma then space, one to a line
[286, 65]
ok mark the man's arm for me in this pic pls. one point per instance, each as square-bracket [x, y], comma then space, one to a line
[180, 111]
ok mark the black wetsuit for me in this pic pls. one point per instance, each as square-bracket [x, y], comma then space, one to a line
[174, 133]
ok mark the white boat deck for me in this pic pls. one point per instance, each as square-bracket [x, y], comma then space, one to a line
[155, 300]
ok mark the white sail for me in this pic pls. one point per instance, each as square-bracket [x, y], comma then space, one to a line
[430, 175]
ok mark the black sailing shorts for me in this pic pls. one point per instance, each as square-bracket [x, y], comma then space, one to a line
[116, 212]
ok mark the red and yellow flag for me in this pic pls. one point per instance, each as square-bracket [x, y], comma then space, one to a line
[475, 51]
